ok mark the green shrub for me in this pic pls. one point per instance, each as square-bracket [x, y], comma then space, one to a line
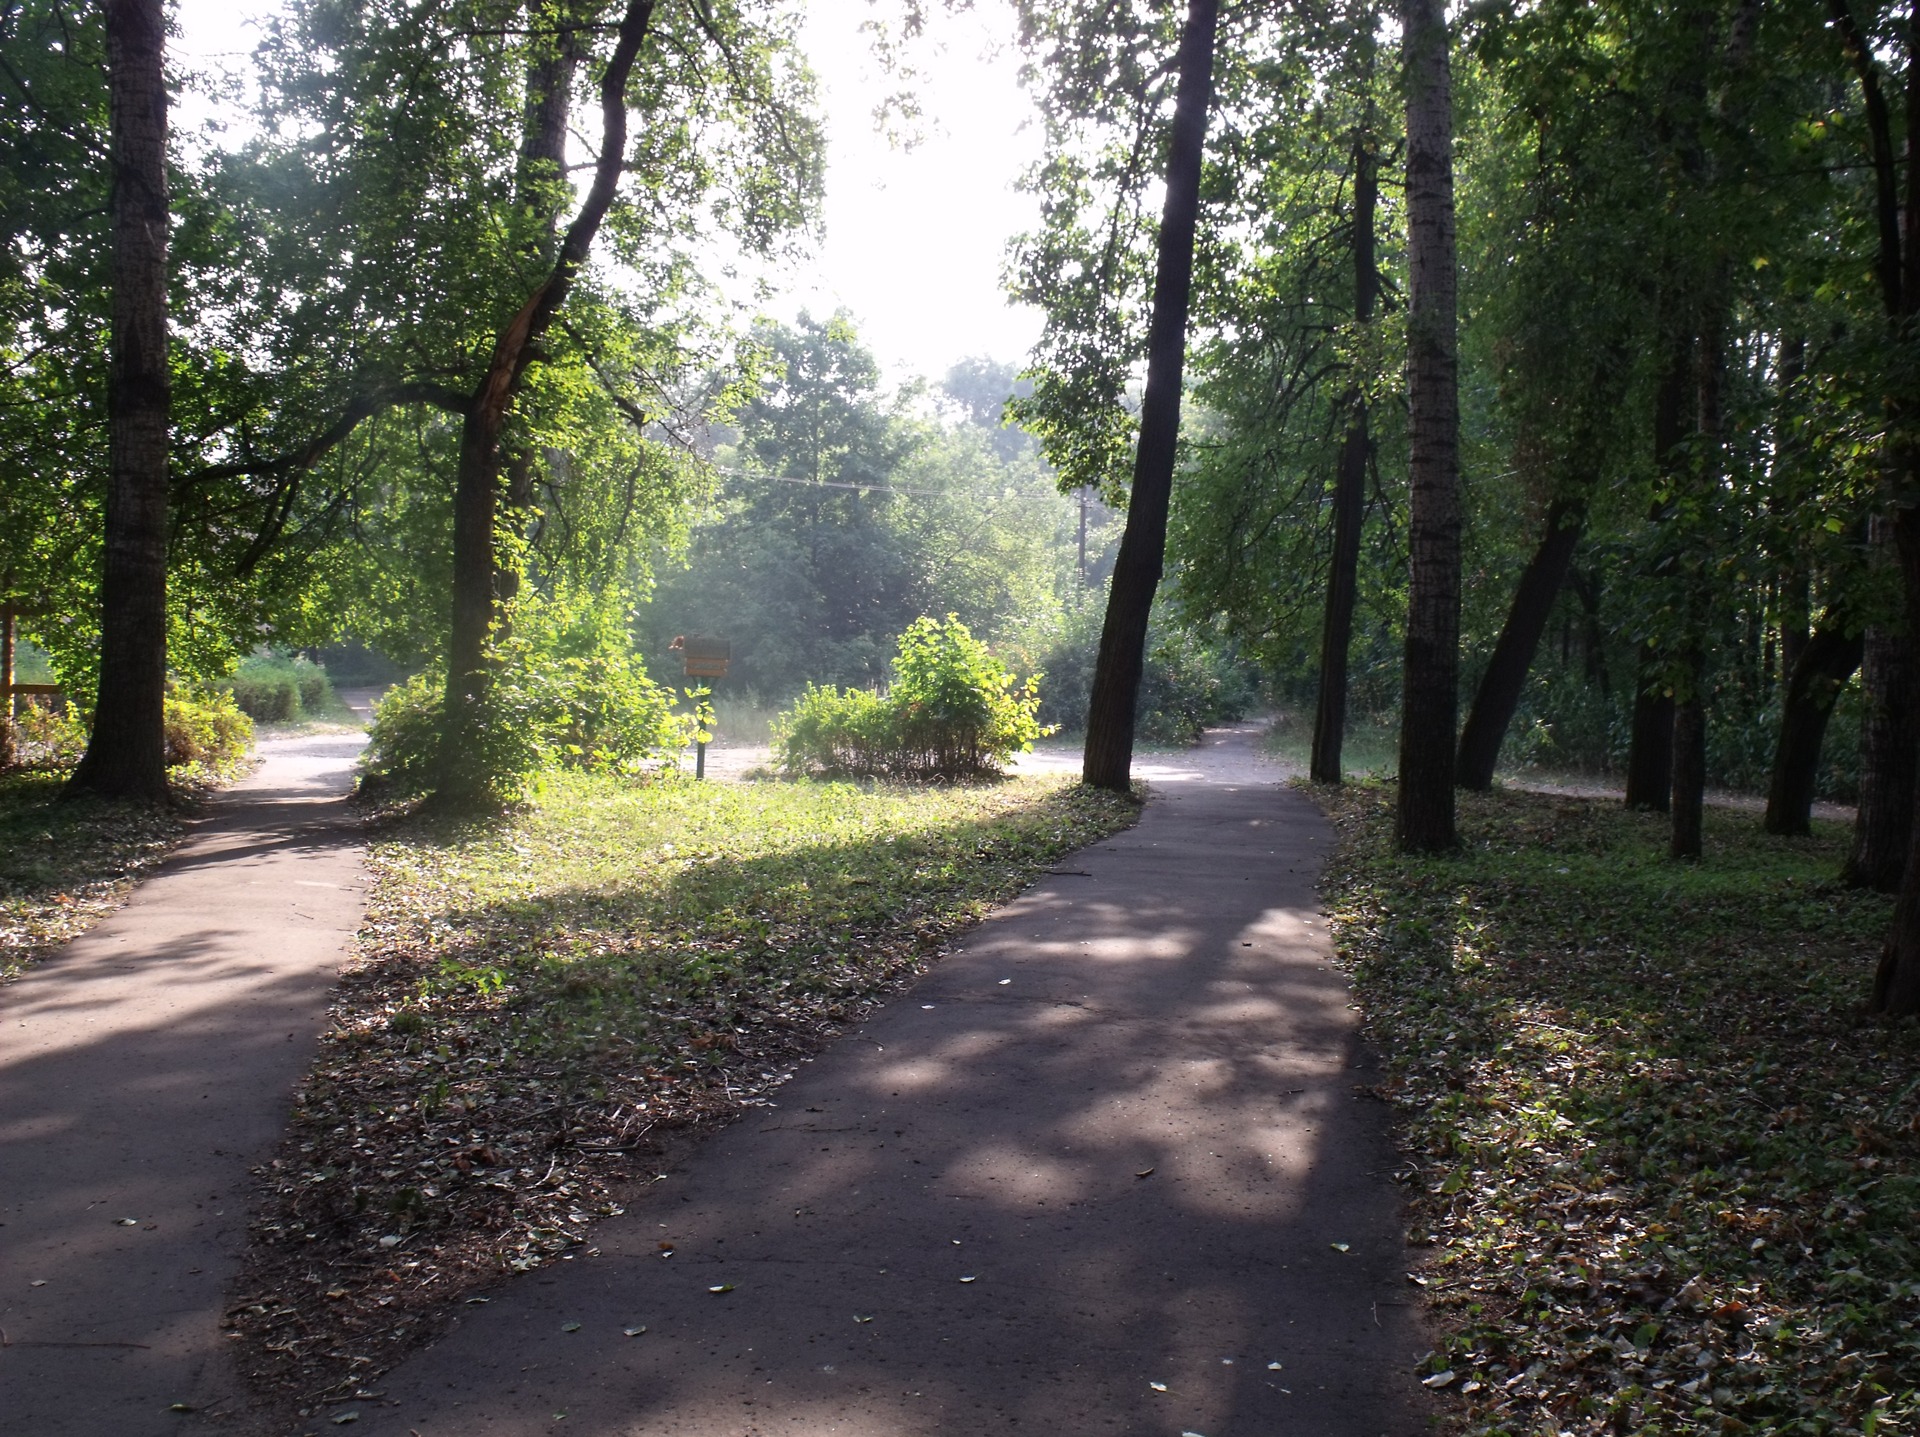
[568, 690]
[952, 711]
[1185, 683]
[271, 688]
[207, 734]
[48, 734]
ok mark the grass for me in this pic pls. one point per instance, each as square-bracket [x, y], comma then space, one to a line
[1668, 1170]
[538, 1002]
[63, 866]
[1369, 749]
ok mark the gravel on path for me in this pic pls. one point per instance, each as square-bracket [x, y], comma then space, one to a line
[1112, 1167]
[143, 1069]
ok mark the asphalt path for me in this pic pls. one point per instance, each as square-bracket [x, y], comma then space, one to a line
[1110, 1168]
[143, 1069]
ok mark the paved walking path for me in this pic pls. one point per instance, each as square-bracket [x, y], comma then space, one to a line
[143, 1069]
[1106, 1170]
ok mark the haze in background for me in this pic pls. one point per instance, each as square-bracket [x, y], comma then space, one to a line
[915, 238]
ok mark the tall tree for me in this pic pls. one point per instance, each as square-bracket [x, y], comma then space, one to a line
[1430, 702]
[1350, 484]
[1824, 665]
[1137, 568]
[126, 754]
[1889, 763]
[516, 346]
[1896, 985]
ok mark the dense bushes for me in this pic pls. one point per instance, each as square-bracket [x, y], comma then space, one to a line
[568, 690]
[952, 711]
[271, 688]
[207, 736]
[1185, 685]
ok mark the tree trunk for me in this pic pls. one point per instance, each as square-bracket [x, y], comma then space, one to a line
[1889, 763]
[1350, 491]
[476, 497]
[1650, 757]
[1896, 984]
[1108, 760]
[1827, 661]
[1429, 707]
[1689, 764]
[9, 739]
[126, 755]
[1506, 675]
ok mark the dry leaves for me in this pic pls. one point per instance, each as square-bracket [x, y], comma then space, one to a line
[541, 1008]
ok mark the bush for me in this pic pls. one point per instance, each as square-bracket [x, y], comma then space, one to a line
[568, 690]
[271, 688]
[207, 735]
[48, 734]
[1185, 683]
[952, 711]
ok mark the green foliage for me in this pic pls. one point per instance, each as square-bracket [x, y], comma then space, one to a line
[274, 688]
[952, 711]
[1187, 682]
[403, 742]
[48, 735]
[1668, 1173]
[845, 513]
[207, 735]
[569, 692]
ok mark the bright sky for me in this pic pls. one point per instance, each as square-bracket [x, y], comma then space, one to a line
[915, 239]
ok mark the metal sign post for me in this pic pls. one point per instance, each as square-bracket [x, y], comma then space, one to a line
[704, 658]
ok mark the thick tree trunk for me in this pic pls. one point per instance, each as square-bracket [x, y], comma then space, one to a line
[1108, 760]
[1889, 763]
[1429, 707]
[1896, 984]
[1506, 675]
[1689, 765]
[1826, 662]
[1349, 495]
[1650, 755]
[126, 755]
[477, 488]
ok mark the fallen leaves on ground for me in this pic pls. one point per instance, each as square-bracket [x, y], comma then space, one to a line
[1668, 1169]
[539, 1003]
[65, 865]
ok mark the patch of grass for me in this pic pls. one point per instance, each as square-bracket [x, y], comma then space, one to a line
[1669, 1169]
[1370, 749]
[63, 866]
[539, 1001]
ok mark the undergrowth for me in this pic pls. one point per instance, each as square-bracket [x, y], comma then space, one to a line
[63, 865]
[1669, 1169]
[539, 1001]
